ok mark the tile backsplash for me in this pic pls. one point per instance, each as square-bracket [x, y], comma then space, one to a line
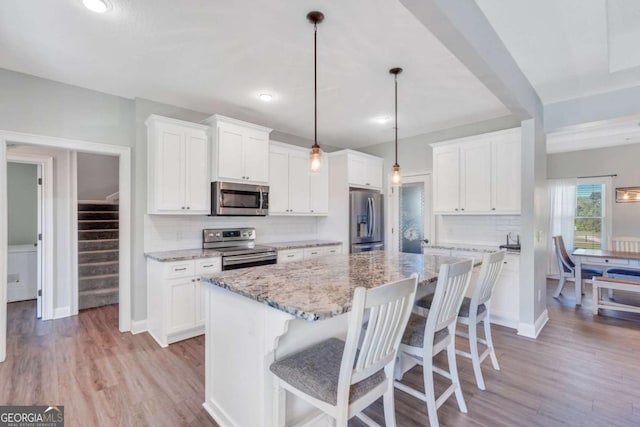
[476, 229]
[164, 233]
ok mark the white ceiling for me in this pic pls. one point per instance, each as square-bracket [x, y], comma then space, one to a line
[595, 135]
[566, 48]
[216, 56]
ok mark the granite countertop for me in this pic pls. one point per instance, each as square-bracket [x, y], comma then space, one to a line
[280, 246]
[321, 288]
[469, 248]
[182, 255]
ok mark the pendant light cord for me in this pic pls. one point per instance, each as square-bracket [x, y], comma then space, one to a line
[396, 119]
[315, 84]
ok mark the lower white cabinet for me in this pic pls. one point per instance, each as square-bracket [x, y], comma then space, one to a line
[291, 255]
[175, 309]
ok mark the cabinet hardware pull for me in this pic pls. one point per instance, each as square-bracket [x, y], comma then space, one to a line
[188, 207]
[207, 266]
[456, 209]
[462, 208]
[180, 269]
[290, 256]
[493, 209]
[182, 207]
[198, 279]
[247, 177]
[193, 280]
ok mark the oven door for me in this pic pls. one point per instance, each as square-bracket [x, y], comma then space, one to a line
[239, 199]
[233, 262]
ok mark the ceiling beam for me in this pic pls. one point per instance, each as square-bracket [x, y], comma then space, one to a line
[465, 31]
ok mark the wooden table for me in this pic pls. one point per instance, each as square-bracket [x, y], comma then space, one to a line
[603, 259]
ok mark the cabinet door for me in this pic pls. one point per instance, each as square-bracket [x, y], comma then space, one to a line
[357, 170]
[255, 152]
[278, 181]
[446, 182]
[197, 177]
[506, 175]
[230, 161]
[181, 300]
[475, 188]
[290, 255]
[374, 173]
[169, 169]
[299, 183]
[319, 190]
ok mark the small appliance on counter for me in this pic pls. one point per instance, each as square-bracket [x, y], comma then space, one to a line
[238, 247]
[366, 221]
[233, 199]
[512, 244]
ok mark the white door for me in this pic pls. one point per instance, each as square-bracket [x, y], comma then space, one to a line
[506, 176]
[170, 173]
[39, 252]
[278, 181]
[413, 214]
[229, 161]
[255, 151]
[319, 189]
[446, 172]
[198, 186]
[475, 185]
[299, 171]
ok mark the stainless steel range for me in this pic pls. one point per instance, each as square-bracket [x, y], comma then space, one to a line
[238, 247]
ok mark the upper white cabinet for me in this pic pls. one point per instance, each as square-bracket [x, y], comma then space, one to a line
[478, 175]
[293, 189]
[364, 170]
[177, 167]
[240, 151]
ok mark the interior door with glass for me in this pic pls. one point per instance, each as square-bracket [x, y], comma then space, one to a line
[414, 213]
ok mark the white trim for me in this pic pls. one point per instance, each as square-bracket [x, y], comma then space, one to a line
[138, 326]
[124, 153]
[155, 117]
[217, 118]
[497, 319]
[532, 331]
[61, 312]
[113, 198]
[73, 201]
[488, 136]
[48, 230]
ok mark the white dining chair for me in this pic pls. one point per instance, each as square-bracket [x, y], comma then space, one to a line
[427, 336]
[341, 379]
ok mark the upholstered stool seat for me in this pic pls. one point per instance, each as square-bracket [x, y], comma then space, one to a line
[464, 308]
[315, 372]
[414, 334]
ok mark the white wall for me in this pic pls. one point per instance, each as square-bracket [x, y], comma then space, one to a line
[62, 207]
[97, 176]
[490, 230]
[22, 203]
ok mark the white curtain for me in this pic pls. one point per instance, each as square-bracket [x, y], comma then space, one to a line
[562, 212]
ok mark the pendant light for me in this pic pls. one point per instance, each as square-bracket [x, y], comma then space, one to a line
[315, 18]
[395, 178]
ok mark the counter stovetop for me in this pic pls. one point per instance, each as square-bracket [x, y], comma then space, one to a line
[321, 288]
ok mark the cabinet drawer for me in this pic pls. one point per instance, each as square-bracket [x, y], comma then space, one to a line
[180, 269]
[314, 252]
[208, 265]
[611, 261]
[290, 255]
[333, 250]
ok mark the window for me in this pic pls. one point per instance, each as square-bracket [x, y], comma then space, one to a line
[590, 226]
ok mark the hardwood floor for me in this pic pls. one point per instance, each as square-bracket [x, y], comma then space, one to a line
[581, 371]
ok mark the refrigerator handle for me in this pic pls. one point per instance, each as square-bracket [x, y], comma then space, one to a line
[373, 217]
[369, 217]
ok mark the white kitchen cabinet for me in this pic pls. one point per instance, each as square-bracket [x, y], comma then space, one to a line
[364, 170]
[291, 255]
[177, 167]
[175, 308]
[293, 189]
[478, 175]
[240, 151]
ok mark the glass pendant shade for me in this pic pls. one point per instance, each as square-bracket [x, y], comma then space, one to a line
[316, 159]
[396, 179]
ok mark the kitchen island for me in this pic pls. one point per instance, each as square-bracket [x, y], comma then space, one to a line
[257, 315]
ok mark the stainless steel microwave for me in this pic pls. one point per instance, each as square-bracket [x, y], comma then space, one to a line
[233, 199]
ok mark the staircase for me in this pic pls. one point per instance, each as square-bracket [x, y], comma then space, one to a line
[97, 254]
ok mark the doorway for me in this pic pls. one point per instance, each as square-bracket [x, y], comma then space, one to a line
[412, 215]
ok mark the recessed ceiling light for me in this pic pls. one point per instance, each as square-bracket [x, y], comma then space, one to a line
[98, 6]
[266, 97]
[382, 119]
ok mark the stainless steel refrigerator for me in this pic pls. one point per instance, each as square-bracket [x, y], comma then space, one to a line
[366, 221]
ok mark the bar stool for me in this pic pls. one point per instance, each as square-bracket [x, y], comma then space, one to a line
[341, 379]
[427, 336]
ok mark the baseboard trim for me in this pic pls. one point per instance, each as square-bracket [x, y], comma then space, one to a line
[497, 319]
[61, 312]
[218, 414]
[138, 326]
[532, 331]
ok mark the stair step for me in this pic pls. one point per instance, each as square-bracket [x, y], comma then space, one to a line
[98, 256]
[97, 269]
[97, 207]
[110, 224]
[97, 245]
[97, 234]
[98, 282]
[84, 215]
[97, 298]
